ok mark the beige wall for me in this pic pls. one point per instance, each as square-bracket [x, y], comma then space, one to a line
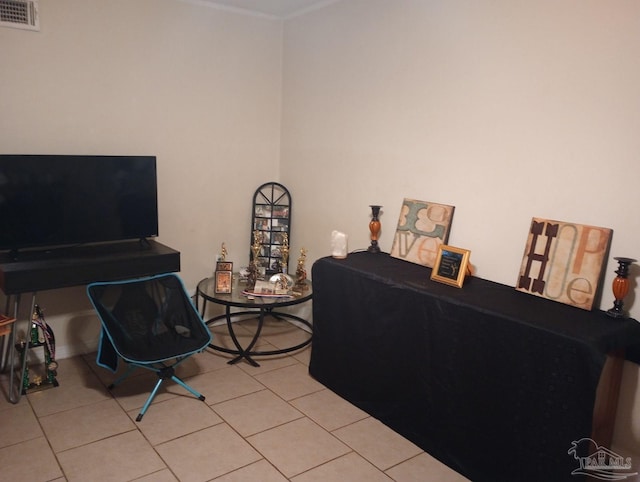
[199, 88]
[506, 110]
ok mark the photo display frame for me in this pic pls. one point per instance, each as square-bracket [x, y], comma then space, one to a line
[271, 221]
[451, 265]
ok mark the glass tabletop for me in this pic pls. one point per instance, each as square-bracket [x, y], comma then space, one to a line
[239, 297]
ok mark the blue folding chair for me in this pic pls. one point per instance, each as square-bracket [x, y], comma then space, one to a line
[149, 323]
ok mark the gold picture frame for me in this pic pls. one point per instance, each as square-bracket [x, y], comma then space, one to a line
[451, 265]
[224, 282]
[224, 266]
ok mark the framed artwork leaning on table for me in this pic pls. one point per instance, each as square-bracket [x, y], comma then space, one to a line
[422, 227]
[564, 262]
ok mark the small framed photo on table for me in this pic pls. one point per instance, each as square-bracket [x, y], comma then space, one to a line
[224, 266]
[451, 265]
[224, 281]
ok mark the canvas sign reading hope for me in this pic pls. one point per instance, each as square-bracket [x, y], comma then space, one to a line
[564, 261]
[422, 228]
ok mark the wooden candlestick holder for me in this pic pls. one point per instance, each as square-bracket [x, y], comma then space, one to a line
[374, 228]
[620, 287]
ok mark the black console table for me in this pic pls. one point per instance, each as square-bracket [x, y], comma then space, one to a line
[80, 265]
[33, 271]
[493, 382]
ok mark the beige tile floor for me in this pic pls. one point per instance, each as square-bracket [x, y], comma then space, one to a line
[267, 423]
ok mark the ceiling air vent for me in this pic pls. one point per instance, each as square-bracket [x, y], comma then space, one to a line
[19, 14]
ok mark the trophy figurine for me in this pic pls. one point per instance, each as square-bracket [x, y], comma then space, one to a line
[41, 335]
[253, 266]
[301, 272]
[223, 253]
[284, 250]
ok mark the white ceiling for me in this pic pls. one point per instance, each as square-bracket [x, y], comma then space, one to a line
[271, 8]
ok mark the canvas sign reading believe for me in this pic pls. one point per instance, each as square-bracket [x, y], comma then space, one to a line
[422, 228]
[564, 261]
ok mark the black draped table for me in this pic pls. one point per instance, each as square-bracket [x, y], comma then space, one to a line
[495, 383]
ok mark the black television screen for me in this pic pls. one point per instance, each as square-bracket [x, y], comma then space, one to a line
[54, 200]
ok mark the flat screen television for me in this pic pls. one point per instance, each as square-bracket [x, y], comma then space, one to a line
[57, 200]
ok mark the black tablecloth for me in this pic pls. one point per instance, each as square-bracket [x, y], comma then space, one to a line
[495, 383]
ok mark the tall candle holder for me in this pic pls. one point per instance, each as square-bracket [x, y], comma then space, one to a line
[620, 287]
[374, 228]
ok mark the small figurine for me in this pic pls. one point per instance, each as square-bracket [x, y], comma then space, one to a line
[256, 247]
[252, 275]
[301, 272]
[223, 253]
[281, 282]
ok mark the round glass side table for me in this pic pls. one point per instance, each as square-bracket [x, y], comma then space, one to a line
[260, 307]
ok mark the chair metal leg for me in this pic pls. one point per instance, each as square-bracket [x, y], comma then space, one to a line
[149, 399]
[121, 378]
[195, 393]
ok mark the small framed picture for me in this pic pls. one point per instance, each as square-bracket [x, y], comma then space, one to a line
[451, 265]
[224, 281]
[224, 266]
